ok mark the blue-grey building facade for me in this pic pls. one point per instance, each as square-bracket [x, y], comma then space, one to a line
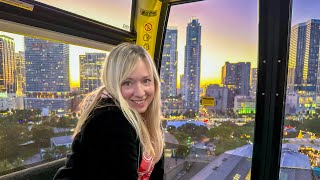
[47, 75]
[192, 67]
[236, 76]
[169, 62]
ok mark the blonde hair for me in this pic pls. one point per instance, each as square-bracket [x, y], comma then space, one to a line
[119, 64]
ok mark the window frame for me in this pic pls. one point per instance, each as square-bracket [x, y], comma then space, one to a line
[53, 19]
[274, 31]
[274, 38]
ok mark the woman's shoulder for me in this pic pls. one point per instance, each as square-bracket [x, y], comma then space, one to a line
[106, 115]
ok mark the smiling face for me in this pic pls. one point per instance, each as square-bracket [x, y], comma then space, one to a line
[138, 88]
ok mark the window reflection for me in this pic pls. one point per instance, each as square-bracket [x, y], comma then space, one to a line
[115, 13]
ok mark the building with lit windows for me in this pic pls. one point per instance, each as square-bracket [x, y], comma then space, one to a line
[253, 82]
[47, 75]
[20, 73]
[90, 71]
[304, 54]
[236, 76]
[301, 99]
[244, 105]
[181, 90]
[20, 76]
[7, 80]
[172, 107]
[306, 99]
[169, 62]
[296, 53]
[220, 95]
[311, 56]
[7, 77]
[192, 67]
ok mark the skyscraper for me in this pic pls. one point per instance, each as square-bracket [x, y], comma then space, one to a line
[304, 53]
[169, 65]
[229, 73]
[236, 76]
[90, 71]
[296, 54]
[20, 73]
[253, 82]
[311, 57]
[7, 65]
[192, 66]
[47, 75]
[243, 77]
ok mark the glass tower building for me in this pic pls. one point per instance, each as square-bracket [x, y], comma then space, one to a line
[192, 67]
[47, 75]
[169, 65]
[90, 71]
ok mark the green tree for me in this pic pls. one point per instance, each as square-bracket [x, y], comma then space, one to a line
[11, 135]
[193, 130]
[42, 134]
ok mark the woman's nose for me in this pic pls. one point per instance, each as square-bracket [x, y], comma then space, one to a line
[139, 90]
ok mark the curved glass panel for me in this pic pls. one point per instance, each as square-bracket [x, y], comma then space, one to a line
[208, 86]
[112, 12]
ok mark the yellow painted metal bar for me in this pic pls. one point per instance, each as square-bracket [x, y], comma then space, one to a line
[146, 23]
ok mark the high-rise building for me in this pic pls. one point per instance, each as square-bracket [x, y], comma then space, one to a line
[296, 53]
[90, 71]
[237, 74]
[253, 82]
[243, 77]
[20, 73]
[229, 74]
[311, 57]
[220, 95]
[20, 76]
[7, 65]
[304, 55]
[192, 67]
[182, 85]
[169, 65]
[47, 75]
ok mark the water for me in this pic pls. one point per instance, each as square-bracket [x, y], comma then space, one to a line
[180, 123]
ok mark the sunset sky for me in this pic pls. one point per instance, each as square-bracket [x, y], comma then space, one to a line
[229, 29]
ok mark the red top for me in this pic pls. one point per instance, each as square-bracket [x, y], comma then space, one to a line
[145, 168]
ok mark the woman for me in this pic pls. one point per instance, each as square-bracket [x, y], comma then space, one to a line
[119, 134]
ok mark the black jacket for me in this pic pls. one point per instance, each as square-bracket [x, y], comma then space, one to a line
[107, 147]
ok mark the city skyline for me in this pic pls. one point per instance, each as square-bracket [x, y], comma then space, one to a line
[222, 39]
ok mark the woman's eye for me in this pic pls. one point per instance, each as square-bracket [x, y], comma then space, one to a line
[147, 81]
[127, 83]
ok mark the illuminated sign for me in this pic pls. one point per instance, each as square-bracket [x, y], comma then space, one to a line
[207, 101]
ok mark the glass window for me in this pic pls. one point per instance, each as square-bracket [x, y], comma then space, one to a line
[301, 132]
[115, 13]
[41, 85]
[208, 89]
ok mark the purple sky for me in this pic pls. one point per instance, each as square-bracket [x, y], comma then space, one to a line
[229, 28]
